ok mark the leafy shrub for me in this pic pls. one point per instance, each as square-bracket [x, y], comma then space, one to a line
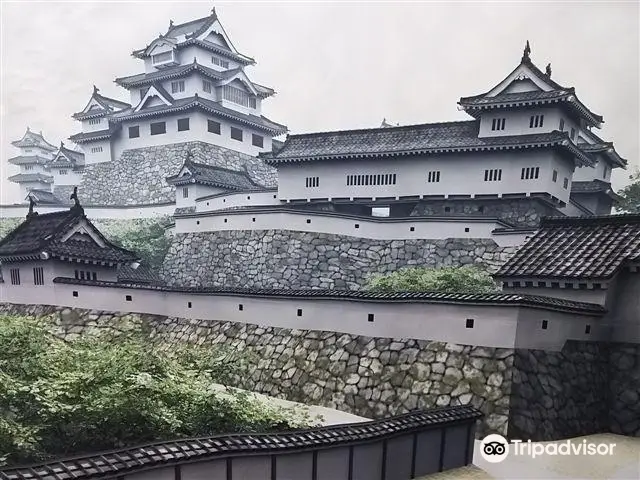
[465, 279]
[60, 398]
[146, 237]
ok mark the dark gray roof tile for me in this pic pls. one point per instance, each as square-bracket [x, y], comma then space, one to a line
[214, 176]
[577, 248]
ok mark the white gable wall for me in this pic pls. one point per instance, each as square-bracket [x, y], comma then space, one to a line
[95, 124]
[97, 152]
[517, 122]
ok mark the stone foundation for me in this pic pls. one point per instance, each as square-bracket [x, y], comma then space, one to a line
[371, 377]
[287, 259]
[518, 212]
[138, 176]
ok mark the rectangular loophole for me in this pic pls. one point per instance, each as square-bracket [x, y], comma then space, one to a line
[466, 229]
[545, 324]
[75, 294]
[225, 220]
[299, 312]
[197, 222]
[188, 304]
[128, 298]
[357, 225]
[370, 317]
[412, 229]
[308, 220]
[587, 329]
[470, 322]
[240, 307]
[253, 219]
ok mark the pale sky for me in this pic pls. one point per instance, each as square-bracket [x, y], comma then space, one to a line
[333, 65]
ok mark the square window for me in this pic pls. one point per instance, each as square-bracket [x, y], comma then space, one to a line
[357, 225]
[252, 102]
[134, 132]
[470, 322]
[370, 317]
[75, 294]
[183, 124]
[158, 128]
[466, 229]
[213, 126]
[236, 134]
[412, 229]
[240, 307]
[299, 312]
[128, 298]
[257, 140]
[545, 324]
[308, 220]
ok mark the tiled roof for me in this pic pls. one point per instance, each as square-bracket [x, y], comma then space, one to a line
[85, 137]
[167, 73]
[189, 27]
[142, 274]
[30, 177]
[42, 197]
[43, 232]
[128, 461]
[511, 299]
[577, 248]
[592, 186]
[75, 158]
[210, 106]
[410, 140]
[28, 160]
[605, 148]
[33, 139]
[108, 105]
[214, 176]
[514, 97]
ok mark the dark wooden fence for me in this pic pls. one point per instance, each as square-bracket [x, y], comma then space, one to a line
[396, 448]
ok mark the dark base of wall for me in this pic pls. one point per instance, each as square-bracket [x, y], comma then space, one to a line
[525, 212]
[586, 388]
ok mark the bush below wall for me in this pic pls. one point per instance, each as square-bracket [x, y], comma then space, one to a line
[371, 377]
[287, 259]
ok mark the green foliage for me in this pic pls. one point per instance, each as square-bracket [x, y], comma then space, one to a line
[144, 236]
[7, 225]
[630, 194]
[60, 398]
[466, 279]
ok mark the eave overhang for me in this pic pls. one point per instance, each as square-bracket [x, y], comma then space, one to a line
[28, 160]
[607, 149]
[197, 103]
[239, 58]
[562, 143]
[569, 98]
[88, 137]
[30, 177]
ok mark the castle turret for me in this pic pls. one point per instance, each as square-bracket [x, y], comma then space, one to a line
[35, 153]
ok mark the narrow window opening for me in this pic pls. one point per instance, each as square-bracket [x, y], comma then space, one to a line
[470, 322]
[370, 317]
[188, 304]
[545, 324]
[75, 294]
[466, 229]
[240, 307]
[128, 298]
[412, 229]
[299, 312]
[587, 329]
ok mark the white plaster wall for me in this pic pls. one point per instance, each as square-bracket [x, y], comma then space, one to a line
[517, 122]
[460, 174]
[71, 178]
[326, 223]
[586, 174]
[34, 151]
[131, 212]
[195, 191]
[197, 132]
[88, 127]
[560, 328]
[207, 204]
[97, 157]
[494, 326]
[186, 56]
[35, 168]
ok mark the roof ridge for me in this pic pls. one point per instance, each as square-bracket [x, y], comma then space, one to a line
[385, 129]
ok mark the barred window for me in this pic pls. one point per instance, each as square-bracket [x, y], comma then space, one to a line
[14, 273]
[177, 87]
[530, 173]
[158, 128]
[312, 182]
[498, 123]
[536, 121]
[162, 57]
[493, 175]
[95, 121]
[433, 177]
[220, 62]
[206, 86]
[379, 179]
[38, 276]
[238, 96]
[213, 126]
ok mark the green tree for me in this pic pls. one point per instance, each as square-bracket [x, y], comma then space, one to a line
[465, 279]
[60, 398]
[630, 194]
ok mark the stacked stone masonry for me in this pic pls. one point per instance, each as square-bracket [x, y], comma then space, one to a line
[287, 259]
[138, 176]
[520, 213]
[371, 377]
[525, 394]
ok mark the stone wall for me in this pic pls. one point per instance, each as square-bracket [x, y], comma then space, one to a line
[287, 259]
[138, 176]
[371, 377]
[518, 212]
[624, 389]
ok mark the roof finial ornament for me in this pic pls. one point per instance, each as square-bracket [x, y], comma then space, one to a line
[32, 203]
[74, 197]
[527, 51]
[548, 70]
[170, 22]
[213, 11]
[95, 90]
[28, 129]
